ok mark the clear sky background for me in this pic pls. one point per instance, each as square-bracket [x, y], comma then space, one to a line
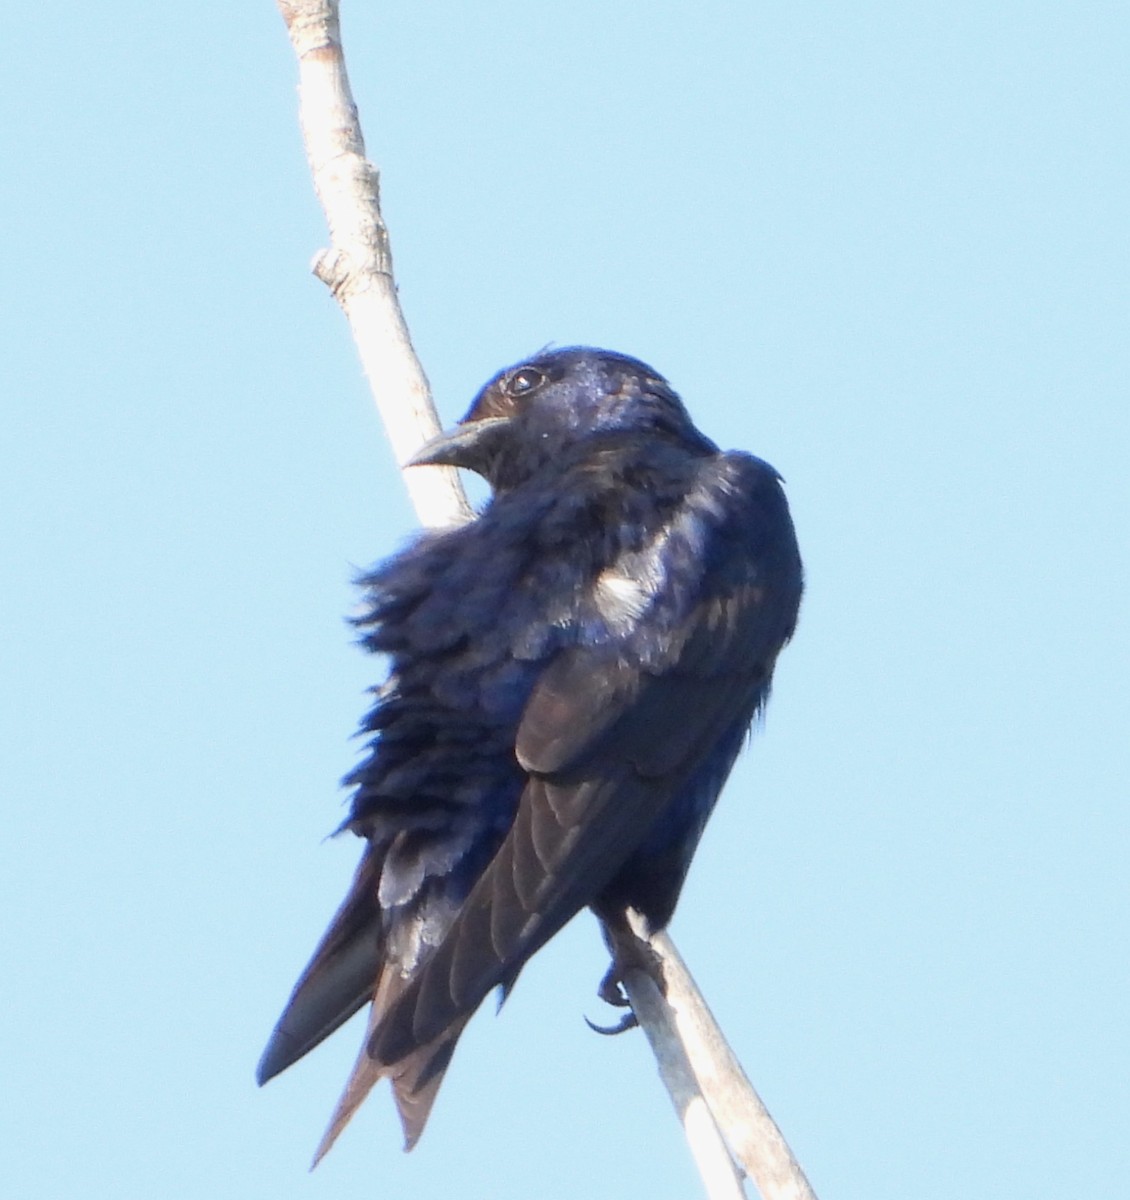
[885, 247]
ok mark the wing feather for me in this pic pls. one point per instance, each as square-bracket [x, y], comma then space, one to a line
[339, 979]
[610, 738]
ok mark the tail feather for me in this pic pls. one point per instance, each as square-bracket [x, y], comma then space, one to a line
[366, 1074]
[348, 970]
[415, 1079]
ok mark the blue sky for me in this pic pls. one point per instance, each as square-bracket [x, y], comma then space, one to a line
[884, 247]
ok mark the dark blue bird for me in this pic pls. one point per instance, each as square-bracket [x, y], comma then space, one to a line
[571, 677]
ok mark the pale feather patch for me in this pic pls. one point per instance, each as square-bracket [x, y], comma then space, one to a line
[620, 599]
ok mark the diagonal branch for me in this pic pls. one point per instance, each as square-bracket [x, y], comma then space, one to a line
[358, 268]
[711, 1094]
[677, 1014]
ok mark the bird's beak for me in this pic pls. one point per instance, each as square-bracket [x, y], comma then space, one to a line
[471, 446]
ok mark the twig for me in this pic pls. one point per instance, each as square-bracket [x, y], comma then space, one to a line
[358, 267]
[358, 270]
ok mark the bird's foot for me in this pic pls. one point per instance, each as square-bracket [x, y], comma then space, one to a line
[611, 991]
[630, 952]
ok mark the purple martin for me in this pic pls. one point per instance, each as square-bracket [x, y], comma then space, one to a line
[570, 679]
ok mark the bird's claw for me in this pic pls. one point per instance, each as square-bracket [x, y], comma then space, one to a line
[611, 991]
[626, 1022]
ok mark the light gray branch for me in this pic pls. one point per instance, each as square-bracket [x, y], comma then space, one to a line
[708, 1088]
[358, 266]
[752, 1134]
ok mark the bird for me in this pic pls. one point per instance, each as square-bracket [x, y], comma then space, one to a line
[570, 678]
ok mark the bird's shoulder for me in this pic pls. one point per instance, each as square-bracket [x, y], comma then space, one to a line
[615, 544]
[676, 631]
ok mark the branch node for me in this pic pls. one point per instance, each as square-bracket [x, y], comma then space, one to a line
[324, 266]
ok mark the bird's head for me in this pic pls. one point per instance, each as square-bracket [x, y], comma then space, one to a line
[531, 413]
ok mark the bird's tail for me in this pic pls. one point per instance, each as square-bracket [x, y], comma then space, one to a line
[347, 970]
[415, 1079]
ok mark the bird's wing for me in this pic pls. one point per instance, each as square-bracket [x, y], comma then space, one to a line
[588, 707]
[339, 979]
[608, 746]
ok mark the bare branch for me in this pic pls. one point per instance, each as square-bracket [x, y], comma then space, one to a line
[751, 1132]
[720, 1175]
[358, 270]
[358, 267]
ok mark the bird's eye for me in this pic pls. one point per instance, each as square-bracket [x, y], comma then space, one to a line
[522, 382]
